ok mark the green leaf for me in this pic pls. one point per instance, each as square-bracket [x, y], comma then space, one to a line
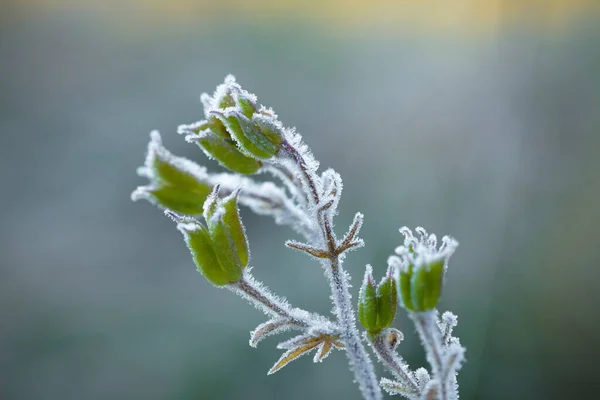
[269, 127]
[176, 183]
[367, 302]
[217, 127]
[249, 139]
[228, 155]
[199, 242]
[435, 283]
[246, 103]
[227, 233]
[405, 285]
[426, 285]
[387, 301]
[233, 222]
[211, 203]
[180, 200]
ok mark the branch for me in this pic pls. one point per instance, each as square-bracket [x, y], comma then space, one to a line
[264, 199]
[442, 363]
[308, 249]
[351, 240]
[260, 296]
[383, 344]
[359, 360]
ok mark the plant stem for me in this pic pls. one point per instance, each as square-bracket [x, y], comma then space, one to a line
[393, 362]
[359, 360]
[426, 324]
[253, 291]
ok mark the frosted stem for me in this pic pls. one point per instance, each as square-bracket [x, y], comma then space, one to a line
[264, 199]
[257, 294]
[359, 360]
[393, 362]
[429, 332]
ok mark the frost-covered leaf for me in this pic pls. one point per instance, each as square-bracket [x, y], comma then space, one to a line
[308, 249]
[270, 127]
[323, 351]
[332, 189]
[269, 328]
[367, 302]
[395, 388]
[303, 344]
[386, 300]
[447, 324]
[422, 376]
[291, 355]
[351, 239]
[204, 255]
[225, 152]
[227, 232]
[300, 340]
[250, 138]
[176, 183]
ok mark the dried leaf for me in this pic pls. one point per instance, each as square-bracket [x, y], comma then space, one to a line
[299, 341]
[291, 355]
[323, 351]
[339, 344]
[303, 344]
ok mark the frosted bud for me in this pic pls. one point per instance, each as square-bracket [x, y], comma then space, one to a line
[387, 300]
[377, 303]
[198, 240]
[220, 250]
[256, 130]
[213, 134]
[176, 183]
[421, 269]
[220, 146]
[222, 97]
[227, 232]
[367, 302]
[246, 102]
[258, 141]
[270, 127]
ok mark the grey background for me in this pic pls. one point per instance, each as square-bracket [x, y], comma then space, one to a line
[491, 137]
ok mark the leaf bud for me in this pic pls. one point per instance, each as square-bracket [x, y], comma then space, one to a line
[220, 250]
[387, 300]
[421, 267]
[198, 240]
[367, 302]
[225, 152]
[227, 232]
[176, 183]
[248, 135]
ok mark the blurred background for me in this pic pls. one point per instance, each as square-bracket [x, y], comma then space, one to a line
[478, 119]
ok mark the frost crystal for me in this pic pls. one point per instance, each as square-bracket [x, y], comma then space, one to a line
[422, 250]
[157, 152]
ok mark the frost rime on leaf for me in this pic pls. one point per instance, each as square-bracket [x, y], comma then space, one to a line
[269, 328]
[304, 344]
